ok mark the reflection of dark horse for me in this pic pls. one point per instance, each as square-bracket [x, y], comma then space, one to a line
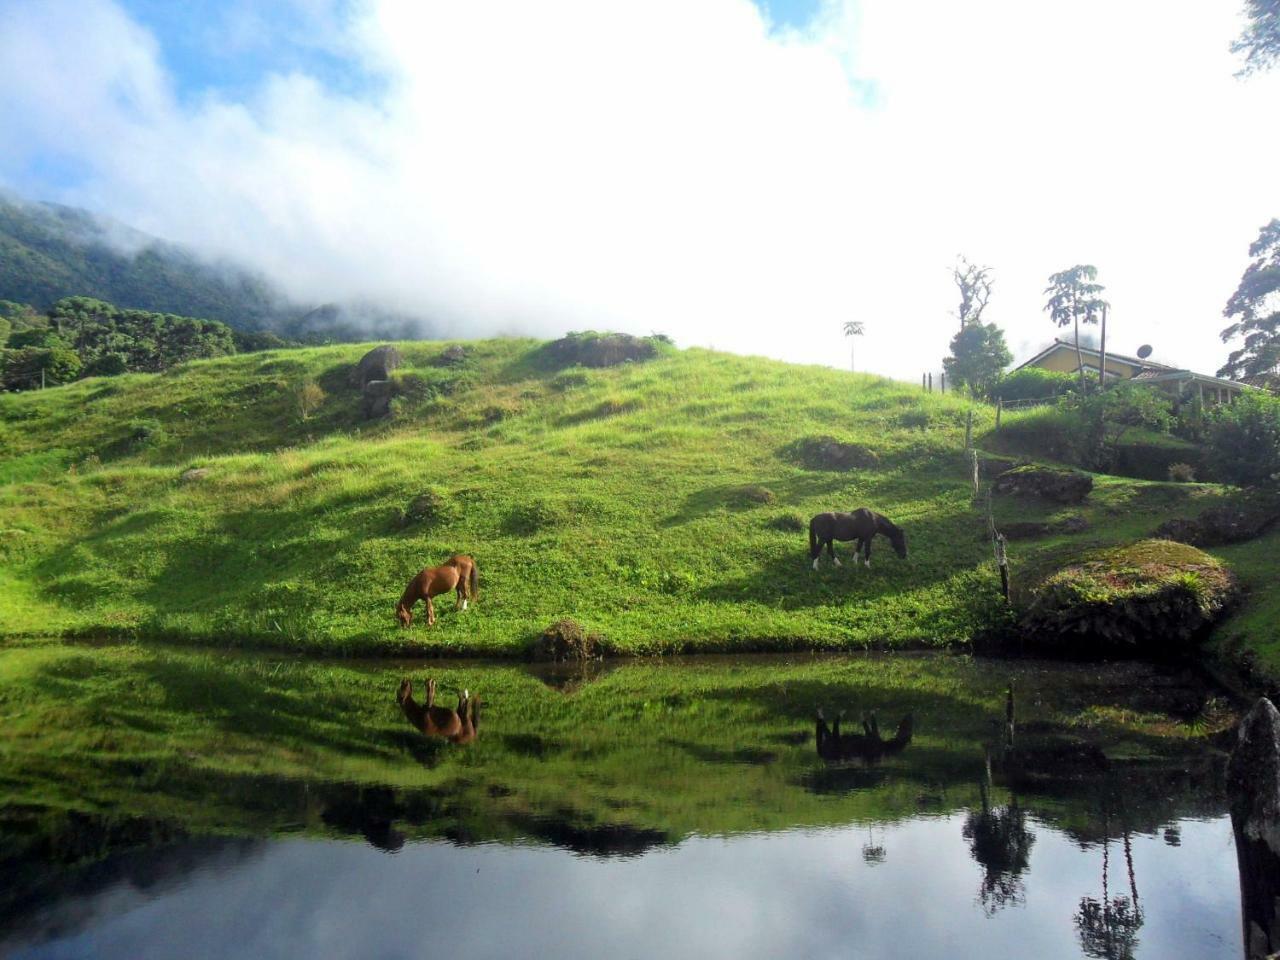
[861, 525]
[457, 726]
[457, 573]
[834, 746]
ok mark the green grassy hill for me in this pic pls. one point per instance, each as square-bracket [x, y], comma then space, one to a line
[663, 504]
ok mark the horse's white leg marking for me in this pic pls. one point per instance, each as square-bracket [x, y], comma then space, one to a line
[815, 563]
[464, 603]
[836, 561]
[868, 563]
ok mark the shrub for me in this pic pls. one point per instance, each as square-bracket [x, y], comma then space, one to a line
[1033, 383]
[432, 506]
[788, 523]
[592, 349]
[309, 397]
[107, 365]
[1182, 473]
[565, 640]
[828, 453]
[1243, 439]
[1107, 415]
[533, 516]
[751, 495]
[30, 367]
[144, 432]
[570, 380]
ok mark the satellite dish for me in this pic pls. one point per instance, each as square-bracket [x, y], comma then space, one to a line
[1144, 351]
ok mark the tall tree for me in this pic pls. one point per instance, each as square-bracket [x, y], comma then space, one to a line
[853, 328]
[1260, 41]
[1074, 298]
[974, 283]
[1255, 308]
[978, 356]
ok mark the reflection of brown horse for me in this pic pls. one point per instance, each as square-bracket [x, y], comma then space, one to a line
[868, 745]
[457, 726]
[458, 573]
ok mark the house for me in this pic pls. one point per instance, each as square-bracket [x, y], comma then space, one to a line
[1060, 356]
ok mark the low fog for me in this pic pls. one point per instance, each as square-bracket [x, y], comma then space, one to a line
[690, 169]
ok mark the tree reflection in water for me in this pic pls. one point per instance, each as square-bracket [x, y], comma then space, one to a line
[1000, 841]
[1108, 928]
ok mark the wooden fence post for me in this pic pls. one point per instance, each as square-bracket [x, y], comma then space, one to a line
[999, 409]
[942, 379]
[968, 431]
[973, 454]
[931, 383]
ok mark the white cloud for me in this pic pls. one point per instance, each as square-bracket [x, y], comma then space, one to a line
[678, 167]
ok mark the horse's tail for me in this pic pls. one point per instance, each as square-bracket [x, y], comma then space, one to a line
[813, 537]
[474, 580]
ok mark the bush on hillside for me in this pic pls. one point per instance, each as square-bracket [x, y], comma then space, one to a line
[533, 516]
[1182, 473]
[431, 507]
[30, 368]
[1060, 486]
[828, 453]
[107, 365]
[1243, 440]
[565, 640]
[1152, 599]
[592, 349]
[1032, 383]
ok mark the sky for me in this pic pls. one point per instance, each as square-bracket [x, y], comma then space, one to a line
[747, 176]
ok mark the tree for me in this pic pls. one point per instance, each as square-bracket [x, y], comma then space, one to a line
[1243, 440]
[974, 283]
[1255, 307]
[1074, 299]
[1106, 416]
[310, 396]
[853, 328]
[1260, 41]
[978, 357]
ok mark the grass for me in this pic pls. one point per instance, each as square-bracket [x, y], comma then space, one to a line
[657, 503]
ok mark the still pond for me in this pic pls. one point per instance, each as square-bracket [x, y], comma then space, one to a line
[164, 802]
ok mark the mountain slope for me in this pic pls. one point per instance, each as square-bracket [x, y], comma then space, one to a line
[48, 252]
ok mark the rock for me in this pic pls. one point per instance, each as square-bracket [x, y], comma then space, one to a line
[1025, 529]
[566, 640]
[377, 364]
[1218, 526]
[451, 356]
[1253, 786]
[1060, 486]
[193, 475]
[376, 398]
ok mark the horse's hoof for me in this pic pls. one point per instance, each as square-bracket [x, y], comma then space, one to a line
[815, 564]
[836, 561]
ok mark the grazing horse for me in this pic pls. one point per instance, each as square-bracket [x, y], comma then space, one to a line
[458, 573]
[456, 726]
[861, 525]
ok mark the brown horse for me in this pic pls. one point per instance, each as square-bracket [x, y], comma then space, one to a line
[458, 573]
[456, 726]
[861, 525]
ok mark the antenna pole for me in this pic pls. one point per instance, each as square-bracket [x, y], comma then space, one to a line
[1102, 365]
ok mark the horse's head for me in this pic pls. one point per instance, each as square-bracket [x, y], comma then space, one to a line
[405, 692]
[899, 541]
[404, 615]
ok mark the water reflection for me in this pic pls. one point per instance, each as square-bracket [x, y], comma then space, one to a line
[867, 746]
[457, 726]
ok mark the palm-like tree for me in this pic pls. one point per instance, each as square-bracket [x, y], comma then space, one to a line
[853, 328]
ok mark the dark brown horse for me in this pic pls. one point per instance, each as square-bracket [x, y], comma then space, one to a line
[458, 573]
[833, 746]
[861, 525]
[456, 726]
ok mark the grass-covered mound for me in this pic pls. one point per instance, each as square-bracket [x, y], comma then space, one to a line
[661, 503]
[1153, 598]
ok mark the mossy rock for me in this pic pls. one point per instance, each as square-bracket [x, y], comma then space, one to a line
[1045, 483]
[1218, 526]
[1154, 598]
[829, 453]
[565, 640]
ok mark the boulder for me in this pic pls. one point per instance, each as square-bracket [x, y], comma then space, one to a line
[1218, 526]
[377, 364]
[1045, 483]
[375, 398]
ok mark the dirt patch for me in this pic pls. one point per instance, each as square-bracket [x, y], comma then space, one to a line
[565, 640]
